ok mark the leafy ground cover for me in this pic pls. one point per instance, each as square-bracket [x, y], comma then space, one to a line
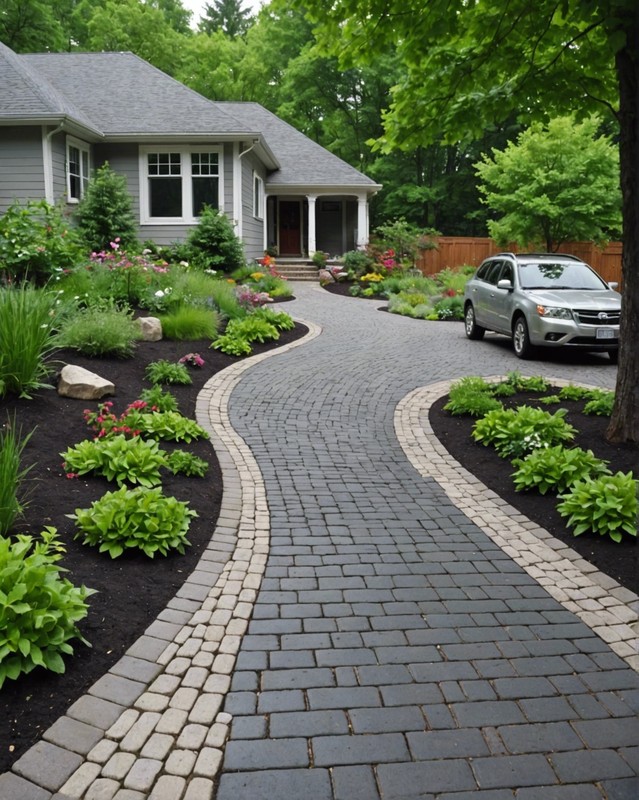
[132, 589]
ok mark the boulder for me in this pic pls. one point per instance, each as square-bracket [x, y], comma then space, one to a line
[325, 277]
[150, 329]
[81, 384]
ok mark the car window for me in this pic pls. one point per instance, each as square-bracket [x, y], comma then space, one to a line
[492, 275]
[506, 272]
[484, 270]
[557, 275]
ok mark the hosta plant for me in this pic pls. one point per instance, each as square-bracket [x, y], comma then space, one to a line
[600, 403]
[556, 468]
[118, 459]
[472, 396]
[170, 426]
[39, 609]
[281, 320]
[163, 372]
[606, 505]
[135, 519]
[185, 463]
[156, 397]
[515, 432]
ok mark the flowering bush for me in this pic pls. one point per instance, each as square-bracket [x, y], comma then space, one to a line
[248, 298]
[192, 359]
[131, 275]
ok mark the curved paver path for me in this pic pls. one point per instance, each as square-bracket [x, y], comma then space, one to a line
[351, 632]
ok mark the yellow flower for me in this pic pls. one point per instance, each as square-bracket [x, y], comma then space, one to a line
[256, 276]
[374, 277]
[230, 280]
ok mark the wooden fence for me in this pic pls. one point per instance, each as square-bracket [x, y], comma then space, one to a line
[454, 251]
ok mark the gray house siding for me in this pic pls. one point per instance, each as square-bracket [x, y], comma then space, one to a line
[59, 165]
[252, 228]
[21, 165]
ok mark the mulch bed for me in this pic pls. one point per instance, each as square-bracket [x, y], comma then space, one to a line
[132, 589]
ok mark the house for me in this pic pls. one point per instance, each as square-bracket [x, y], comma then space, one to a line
[62, 115]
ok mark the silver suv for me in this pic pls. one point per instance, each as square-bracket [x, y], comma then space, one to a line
[547, 299]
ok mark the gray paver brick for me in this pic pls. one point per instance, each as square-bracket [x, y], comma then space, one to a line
[334, 750]
[513, 771]
[415, 779]
[589, 765]
[461, 743]
[293, 784]
[265, 754]
[73, 735]
[47, 765]
[308, 723]
[354, 783]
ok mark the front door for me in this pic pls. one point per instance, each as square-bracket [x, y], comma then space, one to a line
[290, 228]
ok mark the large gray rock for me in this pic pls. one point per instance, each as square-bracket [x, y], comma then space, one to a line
[82, 384]
[150, 329]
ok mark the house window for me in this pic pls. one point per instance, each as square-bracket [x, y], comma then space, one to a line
[258, 197]
[176, 184]
[77, 169]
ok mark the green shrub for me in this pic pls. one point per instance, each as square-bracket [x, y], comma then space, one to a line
[12, 473]
[135, 519]
[606, 505]
[170, 426]
[180, 461]
[214, 244]
[515, 432]
[101, 330]
[225, 300]
[453, 280]
[357, 262]
[156, 396]
[28, 319]
[187, 323]
[523, 383]
[240, 333]
[118, 459]
[36, 242]
[601, 403]
[471, 396]
[572, 392]
[280, 319]
[39, 609]
[105, 214]
[167, 372]
[450, 308]
[556, 468]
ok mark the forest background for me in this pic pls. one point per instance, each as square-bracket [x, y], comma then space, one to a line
[272, 57]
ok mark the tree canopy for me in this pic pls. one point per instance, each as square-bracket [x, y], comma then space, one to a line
[557, 183]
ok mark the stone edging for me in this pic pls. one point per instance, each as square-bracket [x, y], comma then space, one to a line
[154, 719]
[609, 609]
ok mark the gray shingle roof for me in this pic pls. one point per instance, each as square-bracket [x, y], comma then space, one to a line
[121, 95]
[302, 160]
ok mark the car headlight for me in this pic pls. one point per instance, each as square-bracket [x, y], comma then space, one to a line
[554, 312]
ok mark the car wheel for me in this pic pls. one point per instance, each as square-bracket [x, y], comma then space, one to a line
[613, 355]
[521, 339]
[473, 330]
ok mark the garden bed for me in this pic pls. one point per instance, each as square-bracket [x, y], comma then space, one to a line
[132, 589]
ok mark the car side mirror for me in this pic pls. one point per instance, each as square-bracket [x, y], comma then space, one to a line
[505, 284]
[613, 284]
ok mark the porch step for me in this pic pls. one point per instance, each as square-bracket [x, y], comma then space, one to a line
[297, 271]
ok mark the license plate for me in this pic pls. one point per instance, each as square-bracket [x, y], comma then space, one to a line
[605, 333]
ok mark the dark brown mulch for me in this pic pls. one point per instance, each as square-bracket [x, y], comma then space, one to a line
[132, 590]
[343, 289]
[619, 561]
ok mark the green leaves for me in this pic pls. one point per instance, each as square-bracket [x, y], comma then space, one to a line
[556, 468]
[38, 608]
[606, 505]
[514, 432]
[118, 459]
[139, 518]
[167, 372]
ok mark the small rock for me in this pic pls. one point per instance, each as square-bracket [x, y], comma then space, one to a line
[150, 329]
[81, 384]
[325, 277]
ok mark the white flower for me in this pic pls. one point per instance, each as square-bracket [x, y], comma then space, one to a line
[159, 293]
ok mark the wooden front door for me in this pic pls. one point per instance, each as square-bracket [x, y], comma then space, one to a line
[290, 228]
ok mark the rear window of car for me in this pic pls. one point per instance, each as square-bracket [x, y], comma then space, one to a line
[558, 275]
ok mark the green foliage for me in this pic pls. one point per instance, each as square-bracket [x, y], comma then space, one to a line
[167, 372]
[525, 383]
[557, 183]
[225, 300]
[398, 283]
[606, 505]
[38, 608]
[105, 213]
[454, 280]
[572, 392]
[101, 330]
[180, 461]
[162, 400]
[515, 432]
[135, 519]
[12, 473]
[471, 395]
[404, 239]
[601, 403]
[240, 333]
[118, 459]
[187, 323]
[28, 317]
[450, 308]
[214, 244]
[556, 468]
[170, 426]
[280, 319]
[36, 242]
[358, 262]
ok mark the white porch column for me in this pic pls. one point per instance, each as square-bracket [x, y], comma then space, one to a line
[237, 190]
[312, 233]
[362, 221]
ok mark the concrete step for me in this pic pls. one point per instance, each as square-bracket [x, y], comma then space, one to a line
[297, 272]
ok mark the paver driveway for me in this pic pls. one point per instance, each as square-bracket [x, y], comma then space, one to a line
[350, 633]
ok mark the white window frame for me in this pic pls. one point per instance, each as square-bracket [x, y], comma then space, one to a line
[258, 196]
[187, 217]
[83, 148]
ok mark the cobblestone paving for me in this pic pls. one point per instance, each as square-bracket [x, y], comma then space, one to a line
[351, 632]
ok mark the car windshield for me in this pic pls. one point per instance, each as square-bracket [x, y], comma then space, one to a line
[559, 276]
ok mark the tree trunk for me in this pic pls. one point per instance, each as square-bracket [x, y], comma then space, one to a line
[624, 423]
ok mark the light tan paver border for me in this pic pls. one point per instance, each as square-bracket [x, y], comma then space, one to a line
[609, 609]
